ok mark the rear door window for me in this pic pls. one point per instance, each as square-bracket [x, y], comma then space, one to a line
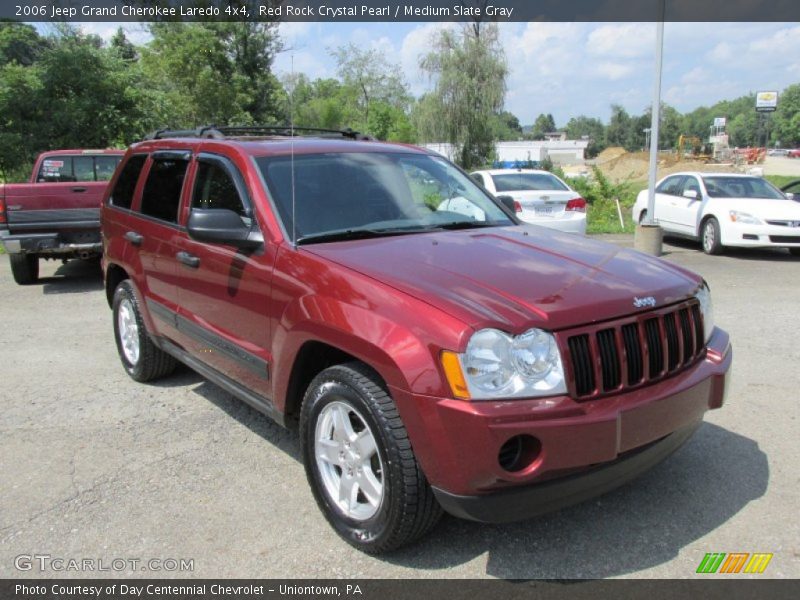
[124, 188]
[162, 191]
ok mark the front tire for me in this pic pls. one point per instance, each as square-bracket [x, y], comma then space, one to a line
[360, 464]
[142, 359]
[24, 268]
[710, 236]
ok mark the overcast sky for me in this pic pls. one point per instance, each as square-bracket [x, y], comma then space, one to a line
[569, 69]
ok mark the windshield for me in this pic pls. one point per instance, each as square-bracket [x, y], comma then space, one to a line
[379, 193]
[518, 182]
[741, 187]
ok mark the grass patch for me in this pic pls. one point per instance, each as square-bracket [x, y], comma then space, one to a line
[781, 180]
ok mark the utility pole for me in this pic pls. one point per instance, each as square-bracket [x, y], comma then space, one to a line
[649, 236]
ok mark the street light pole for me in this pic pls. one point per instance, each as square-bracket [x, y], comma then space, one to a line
[649, 236]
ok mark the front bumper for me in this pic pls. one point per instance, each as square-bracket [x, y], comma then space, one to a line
[761, 236]
[517, 504]
[458, 442]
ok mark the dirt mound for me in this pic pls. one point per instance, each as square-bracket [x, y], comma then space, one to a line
[634, 166]
[611, 153]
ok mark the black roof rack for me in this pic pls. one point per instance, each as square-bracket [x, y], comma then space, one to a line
[220, 133]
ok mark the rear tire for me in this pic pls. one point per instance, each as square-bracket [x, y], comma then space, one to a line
[710, 236]
[642, 216]
[142, 359]
[24, 268]
[360, 464]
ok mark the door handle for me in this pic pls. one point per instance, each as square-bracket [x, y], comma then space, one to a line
[190, 260]
[79, 189]
[134, 238]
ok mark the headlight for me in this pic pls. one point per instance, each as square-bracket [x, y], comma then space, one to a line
[704, 297]
[744, 218]
[498, 365]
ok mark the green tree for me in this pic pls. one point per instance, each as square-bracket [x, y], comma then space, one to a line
[590, 128]
[619, 131]
[20, 43]
[214, 72]
[786, 120]
[543, 124]
[371, 78]
[123, 45]
[469, 70]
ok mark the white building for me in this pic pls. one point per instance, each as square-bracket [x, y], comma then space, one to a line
[563, 152]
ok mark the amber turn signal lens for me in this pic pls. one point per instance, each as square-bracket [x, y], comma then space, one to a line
[454, 374]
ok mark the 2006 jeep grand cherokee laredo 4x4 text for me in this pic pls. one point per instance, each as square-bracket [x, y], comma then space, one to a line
[431, 360]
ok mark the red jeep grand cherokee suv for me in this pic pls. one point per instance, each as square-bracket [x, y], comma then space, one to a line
[434, 354]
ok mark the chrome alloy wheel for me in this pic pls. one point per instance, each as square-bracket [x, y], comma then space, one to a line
[348, 461]
[128, 331]
[709, 234]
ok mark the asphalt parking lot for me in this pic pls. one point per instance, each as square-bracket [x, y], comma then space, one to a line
[97, 466]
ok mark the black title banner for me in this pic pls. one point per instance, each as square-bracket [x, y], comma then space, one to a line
[403, 10]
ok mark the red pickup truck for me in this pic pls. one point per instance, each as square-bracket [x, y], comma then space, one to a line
[57, 213]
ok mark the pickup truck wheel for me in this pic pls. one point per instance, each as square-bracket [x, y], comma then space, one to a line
[24, 268]
[710, 237]
[142, 359]
[360, 464]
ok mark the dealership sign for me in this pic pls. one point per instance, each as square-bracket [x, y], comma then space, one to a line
[766, 101]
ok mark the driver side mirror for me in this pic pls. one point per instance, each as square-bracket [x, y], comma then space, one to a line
[691, 194]
[791, 196]
[222, 226]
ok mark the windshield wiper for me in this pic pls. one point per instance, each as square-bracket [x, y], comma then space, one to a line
[356, 234]
[453, 225]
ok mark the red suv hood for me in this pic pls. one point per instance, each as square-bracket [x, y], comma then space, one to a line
[516, 277]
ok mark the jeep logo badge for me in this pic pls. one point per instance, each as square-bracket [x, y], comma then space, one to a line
[642, 302]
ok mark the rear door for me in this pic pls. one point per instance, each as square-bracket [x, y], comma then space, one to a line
[154, 234]
[223, 291]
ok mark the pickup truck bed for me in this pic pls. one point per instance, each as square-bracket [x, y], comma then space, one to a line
[57, 214]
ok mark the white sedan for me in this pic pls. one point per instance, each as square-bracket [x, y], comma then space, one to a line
[539, 197]
[724, 209]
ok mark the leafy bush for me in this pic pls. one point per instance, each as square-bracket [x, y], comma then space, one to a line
[600, 194]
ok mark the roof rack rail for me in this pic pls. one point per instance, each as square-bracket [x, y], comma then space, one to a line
[219, 133]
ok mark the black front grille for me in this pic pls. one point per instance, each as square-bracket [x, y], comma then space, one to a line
[617, 356]
[582, 362]
[785, 239]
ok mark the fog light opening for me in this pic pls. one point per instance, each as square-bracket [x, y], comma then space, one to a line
[518, 453]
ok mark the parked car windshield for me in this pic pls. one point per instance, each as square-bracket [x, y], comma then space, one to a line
[518, 182]
[375, 193]
[741, 187]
